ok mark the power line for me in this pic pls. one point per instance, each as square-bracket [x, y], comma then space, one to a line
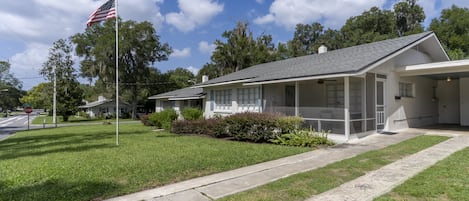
[28, 78]
[141, 84]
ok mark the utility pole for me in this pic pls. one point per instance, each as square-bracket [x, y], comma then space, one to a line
[54, 110]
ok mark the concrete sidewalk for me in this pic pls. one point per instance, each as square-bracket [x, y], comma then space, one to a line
[383, 180]
[226, 183]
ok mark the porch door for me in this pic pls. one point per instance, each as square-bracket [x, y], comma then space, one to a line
[290, 100]
[380, 104]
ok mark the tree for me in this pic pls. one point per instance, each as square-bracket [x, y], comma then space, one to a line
[332, 39]
[39, 96]
[306, 39]
[10, 88]
[241, 50]
[209, 69]
[60, 65]
[409, 16]
[139, 48]
[372, 25]
[452, 28]
[181, 78]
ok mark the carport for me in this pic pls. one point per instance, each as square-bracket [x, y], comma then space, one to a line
[451, 91]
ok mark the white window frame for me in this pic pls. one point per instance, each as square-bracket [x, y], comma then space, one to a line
[404, 89]
[222, 100]
[248, 99]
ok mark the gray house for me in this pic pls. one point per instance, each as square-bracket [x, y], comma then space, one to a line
[179, 99]
[104, 107]
[382, 86]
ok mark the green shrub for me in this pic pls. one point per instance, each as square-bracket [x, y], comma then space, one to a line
[191, 113]
[163, 119]
[303, 138]
[200, 127]
[288, 124]
[254, 127]
[84, 115]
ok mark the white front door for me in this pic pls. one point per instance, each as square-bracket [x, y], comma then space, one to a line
[380, 104]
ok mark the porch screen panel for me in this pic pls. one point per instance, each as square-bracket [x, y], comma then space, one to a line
[356, 98]
[335, 95]
[370, 102]
[357, 110]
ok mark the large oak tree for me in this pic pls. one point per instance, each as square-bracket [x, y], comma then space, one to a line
[139, 48]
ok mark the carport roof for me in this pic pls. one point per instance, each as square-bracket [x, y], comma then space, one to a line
[438, 70]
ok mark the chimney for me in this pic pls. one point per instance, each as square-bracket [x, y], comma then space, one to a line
[204, 78]
[322, 49]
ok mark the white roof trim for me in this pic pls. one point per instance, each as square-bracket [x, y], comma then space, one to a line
[187, 98]
[159, 97]
[435, 68]
[222, 83]
[300, 79]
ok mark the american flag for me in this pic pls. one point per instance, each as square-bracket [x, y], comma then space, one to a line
[106, 11]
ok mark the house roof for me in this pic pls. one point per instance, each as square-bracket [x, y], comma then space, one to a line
[347, 60]
[181, 94]
[100, 102]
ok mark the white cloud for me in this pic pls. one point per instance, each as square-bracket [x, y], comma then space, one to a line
[40, 22]
[333, 13]
[29, 62]
[206, 48]
[192, 69]
[193, 13]
[186, 52]
[260, 1]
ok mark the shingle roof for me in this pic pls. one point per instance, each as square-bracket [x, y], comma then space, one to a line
[180, 94]
[346, 60]
[95, 103]
[101, 102]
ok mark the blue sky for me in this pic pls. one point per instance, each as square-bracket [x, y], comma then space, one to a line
[29, 27]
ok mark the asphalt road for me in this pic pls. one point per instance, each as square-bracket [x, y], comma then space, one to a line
[12, 124]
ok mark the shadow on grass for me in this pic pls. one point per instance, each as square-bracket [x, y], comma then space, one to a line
[37, 145]
[14, 155]
[59, 190]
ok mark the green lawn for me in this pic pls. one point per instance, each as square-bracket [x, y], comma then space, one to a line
[447, 180]
[72, 119]
[83, 162]
[304, 185]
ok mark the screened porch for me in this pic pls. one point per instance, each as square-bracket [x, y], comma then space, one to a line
[343, 105]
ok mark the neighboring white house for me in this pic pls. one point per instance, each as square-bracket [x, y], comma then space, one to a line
[382, 86]
[104, 107]
[179, 99]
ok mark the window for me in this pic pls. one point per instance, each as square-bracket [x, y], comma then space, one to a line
[248, 99]
[406, 89]
[223, 100]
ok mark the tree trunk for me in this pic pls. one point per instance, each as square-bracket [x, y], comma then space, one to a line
[134, 102]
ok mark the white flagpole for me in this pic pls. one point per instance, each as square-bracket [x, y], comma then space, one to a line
[117, 72]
